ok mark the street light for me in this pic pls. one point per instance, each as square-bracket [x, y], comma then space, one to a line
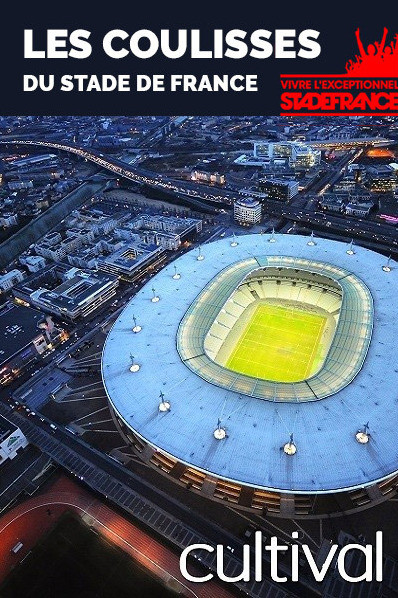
[200, 255]
[311, 242]
[234, 242]
[155, 297]
[387, 267]
[350, 250]
[363, 436]
[290, 448]
[134, 367]
[176, 274]
[272, 238]
[164, 406]
[136, 327]
[219, 433]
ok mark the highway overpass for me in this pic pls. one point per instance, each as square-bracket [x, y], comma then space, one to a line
[347, 144]
[133, 173]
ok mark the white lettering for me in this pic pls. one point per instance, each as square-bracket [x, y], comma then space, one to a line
[183, 563]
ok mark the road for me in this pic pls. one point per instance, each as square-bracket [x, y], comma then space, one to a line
[381, 235]
[135, 173]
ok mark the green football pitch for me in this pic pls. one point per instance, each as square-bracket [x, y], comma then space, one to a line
[279, 343]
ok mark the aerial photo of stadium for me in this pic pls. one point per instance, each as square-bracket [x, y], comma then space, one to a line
[260, 370]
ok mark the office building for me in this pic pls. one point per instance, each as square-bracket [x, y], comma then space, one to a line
[26, 334]
[247, 211]
[278, 189]
[8, 280]
[12, 440]
[69, 293]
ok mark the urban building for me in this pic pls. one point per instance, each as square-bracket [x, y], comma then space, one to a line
[12, 440]
[58, 251]
[69, 293]
[388, 209]
[304, 157]
[278, 189]
[359, 207]
[298, 155]
[269, 149]
[26, 335]
[38, 175]
[212, 178]
[8, 219]
[99, 222]
[84, 229]
[169, 224]
[86, 257]
[347, 184]
[167, 231]
[332, 202]
[10, 279]
[131, 259]
[382, 178]
[32, 160]
[247, 211]
[20, 184]
[382, 183]
[34, 263]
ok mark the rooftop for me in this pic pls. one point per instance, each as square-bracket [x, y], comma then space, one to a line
[74, 291]
[18, 327]
[129, 256]
[62, 285]
[274, 181]
[247, 202]
[6, 428]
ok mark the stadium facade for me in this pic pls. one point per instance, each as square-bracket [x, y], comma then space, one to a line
[311, 442]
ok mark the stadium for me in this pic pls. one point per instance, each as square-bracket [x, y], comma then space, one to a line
[260, 370]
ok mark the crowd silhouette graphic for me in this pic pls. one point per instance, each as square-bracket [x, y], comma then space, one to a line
[378, 60]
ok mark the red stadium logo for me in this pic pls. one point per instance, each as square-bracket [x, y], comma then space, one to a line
[378, 60]
[368, 87]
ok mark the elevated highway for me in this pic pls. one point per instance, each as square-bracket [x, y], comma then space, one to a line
[132, 172]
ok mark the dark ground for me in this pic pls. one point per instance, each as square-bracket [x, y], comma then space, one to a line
[73, 562]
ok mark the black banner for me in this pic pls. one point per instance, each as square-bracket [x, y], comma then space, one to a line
[252, 83]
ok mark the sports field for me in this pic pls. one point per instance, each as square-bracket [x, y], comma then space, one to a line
[280, 343]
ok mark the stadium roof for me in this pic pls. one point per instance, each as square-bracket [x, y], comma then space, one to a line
[328, 457]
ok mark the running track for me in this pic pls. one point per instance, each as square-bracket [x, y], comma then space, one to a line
[29, 520]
